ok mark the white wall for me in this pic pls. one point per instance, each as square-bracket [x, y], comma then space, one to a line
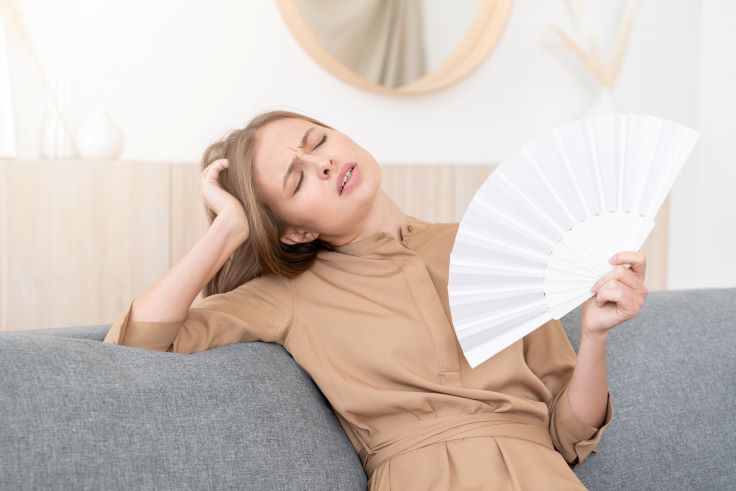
[176, 75]
[445, 25]
[703, 236]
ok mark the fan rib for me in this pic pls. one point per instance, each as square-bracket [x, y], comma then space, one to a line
[526, 229]
[475, 346]
[538, 170]
[592, 260]
[480, 236]
[536, 167]
[581, 197]
[459, 291]
[674, 169]
[529, 202]
[470, 326]
[647, 158]
[564, 297]
[563, 290]
[596, 258]
[622, 161]
[588, 267]
[596, 165]
[650, 168]
[570, 173]
[551, 189]
[552, 268]
[513, 269]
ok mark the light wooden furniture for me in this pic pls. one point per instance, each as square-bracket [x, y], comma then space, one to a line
[80, 239]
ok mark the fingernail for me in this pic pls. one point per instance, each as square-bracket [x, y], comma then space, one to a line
[613, 258]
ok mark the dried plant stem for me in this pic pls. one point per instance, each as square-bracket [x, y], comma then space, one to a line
[604, 74]
[621, 42]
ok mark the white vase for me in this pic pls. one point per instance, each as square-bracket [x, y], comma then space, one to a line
[99, 137]
[605, 104]
[57, 140]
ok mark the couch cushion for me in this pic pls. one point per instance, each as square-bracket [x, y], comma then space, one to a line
[77, 414]
[672, 378]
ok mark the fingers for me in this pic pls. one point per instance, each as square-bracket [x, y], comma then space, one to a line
[636, 259]
[626, 298]
[624, 275]
[217, 165]
[612, 291]
[218, 162]
[633, 276]
[212, 171]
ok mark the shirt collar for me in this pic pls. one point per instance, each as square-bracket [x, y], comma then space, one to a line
[382, 243]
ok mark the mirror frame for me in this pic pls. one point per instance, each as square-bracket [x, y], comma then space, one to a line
[478, 42]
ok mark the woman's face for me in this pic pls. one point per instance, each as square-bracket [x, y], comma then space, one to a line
[299, 168]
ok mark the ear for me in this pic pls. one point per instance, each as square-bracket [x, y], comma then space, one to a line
[298, 236]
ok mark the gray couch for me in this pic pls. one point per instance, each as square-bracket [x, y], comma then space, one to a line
[80, 414]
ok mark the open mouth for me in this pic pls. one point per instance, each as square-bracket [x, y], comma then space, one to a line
[346, 179]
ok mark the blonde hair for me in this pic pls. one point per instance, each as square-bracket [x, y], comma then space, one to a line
[262, 253]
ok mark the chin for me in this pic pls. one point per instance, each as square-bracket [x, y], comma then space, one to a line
[372, 180]
[370, 185]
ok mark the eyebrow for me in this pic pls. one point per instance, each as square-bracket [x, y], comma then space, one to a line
[295, 159]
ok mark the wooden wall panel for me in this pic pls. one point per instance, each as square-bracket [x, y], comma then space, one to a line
[188, 218]
[434, 192]
[655, 248]
[80, 238]
[4, 241]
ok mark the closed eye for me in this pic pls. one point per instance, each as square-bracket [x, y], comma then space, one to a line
[301, 174]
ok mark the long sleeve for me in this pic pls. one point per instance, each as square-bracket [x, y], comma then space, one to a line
[550, 356]
[259, 310]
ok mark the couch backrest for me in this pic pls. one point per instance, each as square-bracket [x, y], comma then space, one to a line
[672, 378]
[77, 413]
[80, 414]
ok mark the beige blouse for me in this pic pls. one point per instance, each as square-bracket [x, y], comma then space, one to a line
[370, 323]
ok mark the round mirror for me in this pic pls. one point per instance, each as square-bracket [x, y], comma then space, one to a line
[397, 46]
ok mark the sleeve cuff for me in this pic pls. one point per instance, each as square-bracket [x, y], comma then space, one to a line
[156, 336]
[583, 439]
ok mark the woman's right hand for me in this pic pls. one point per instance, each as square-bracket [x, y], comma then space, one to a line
[219, 200]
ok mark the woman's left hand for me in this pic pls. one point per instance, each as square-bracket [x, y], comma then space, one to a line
[619, 295]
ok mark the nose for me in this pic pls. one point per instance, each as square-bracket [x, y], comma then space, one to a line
[324, 165]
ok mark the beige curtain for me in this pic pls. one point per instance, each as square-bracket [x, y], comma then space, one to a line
[382, 40]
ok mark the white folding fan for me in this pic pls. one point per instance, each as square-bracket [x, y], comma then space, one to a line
[540, 230]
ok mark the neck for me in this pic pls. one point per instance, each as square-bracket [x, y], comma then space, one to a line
[385, 216]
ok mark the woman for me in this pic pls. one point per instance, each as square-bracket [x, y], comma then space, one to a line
[304, 249]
